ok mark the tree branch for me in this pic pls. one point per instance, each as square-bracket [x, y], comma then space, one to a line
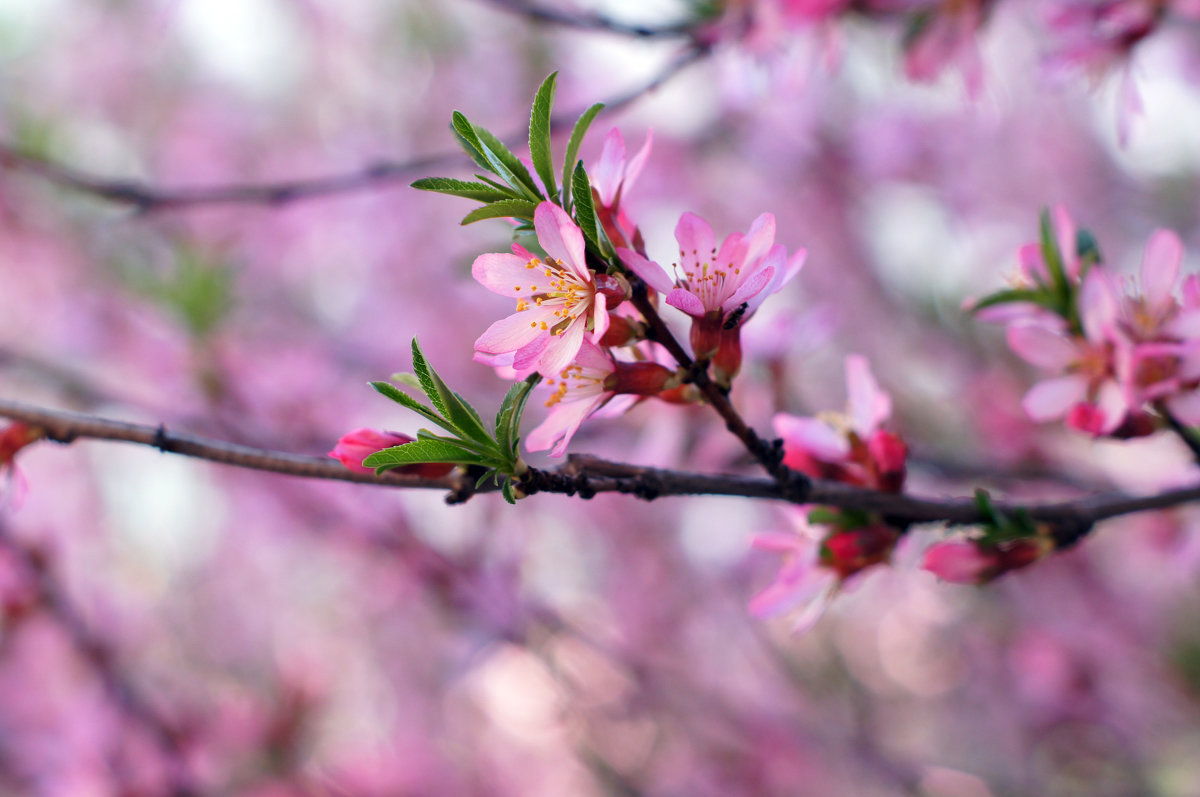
[145, 197]
[591, 21]
[587, 476]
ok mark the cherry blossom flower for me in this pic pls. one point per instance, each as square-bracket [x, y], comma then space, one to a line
[851, 447]
[1136, 344]
[720, 288]
[817, 560]
[557, 298]
[586, 385]
[612, 178]
[356, 445]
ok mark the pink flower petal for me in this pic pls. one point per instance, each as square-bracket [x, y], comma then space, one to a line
[760, 237]
[812, 436]
[561, 237]
[599, 317]
[1041, 345]
[1051, 398]
[634, 167]
[1098, 305]
[1186, 407]
[609, 171]
[748, 289]
[695, 237]
[1160, 267]
[561, 349]
[687, 302]
[515, 331]
[560, 426]
[509, 275]
[869, 406]
[651, 273]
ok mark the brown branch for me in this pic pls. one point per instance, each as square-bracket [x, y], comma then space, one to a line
[146, 197]
[587, 476]
[592, 21]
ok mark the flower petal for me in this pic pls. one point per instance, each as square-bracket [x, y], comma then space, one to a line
[560, 425]
[513, 332]
[561, 349]
[869, 406]
[1051, 398]
[609, 171]
[1042, 345]
[812, 436]
[651, 273]
[1098, 306]
[1160, 267]
[509, 275]
[687, 302]
[561, 238]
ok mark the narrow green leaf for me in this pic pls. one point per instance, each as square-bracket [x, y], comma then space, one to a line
[419, 452]
[464, 131]
[1052, 255]
[585, 211]
[428, 386]
[504, 209]
[507, 165]
[463, 188]
[1038, 297]
[461, 415]
[498, 186]
[539, 134]
[506, 490]
[577, 134]
[512, 427]
[405, 400]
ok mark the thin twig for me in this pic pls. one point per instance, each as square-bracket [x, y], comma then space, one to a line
[591, 21]
[587, 476]
[146, 197]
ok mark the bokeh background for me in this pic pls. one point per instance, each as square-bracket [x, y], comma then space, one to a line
[176, 627]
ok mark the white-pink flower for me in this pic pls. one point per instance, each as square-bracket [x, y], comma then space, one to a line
[802, 584]
[556, 297]
[718, 282]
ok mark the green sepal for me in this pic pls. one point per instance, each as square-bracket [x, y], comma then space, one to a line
[505, 208]
[576, 140]
[539, 134]
[464, 188]
[823, 516]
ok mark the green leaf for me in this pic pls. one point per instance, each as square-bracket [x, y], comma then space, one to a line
[508, 419]
[465, 420]
[419, 452]
[1038, 297]
[539, 134]
[585, 212]
[1052, 256]
[506, 164]
[577, 134]
[464, 131]
[504, 209]
[506, 490]
[464, 188]
[405, 400]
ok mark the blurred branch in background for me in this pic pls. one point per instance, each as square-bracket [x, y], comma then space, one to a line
[145, 197]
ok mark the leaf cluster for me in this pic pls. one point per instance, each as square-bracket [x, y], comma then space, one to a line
[1056, 291]
[511, 191]
[468, 442]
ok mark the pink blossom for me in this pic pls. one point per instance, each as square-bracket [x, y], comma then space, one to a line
[614, 175]
[851, 447]
[948, 38]
[356, 445]
[720, 288]
[1033, 273]
[557, 298]
[586, 385]
[801, 584]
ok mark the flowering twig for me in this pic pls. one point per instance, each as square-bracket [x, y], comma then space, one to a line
[145, 197]
[587, 476]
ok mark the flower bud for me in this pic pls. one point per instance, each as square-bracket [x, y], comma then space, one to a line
[16, 436]
[888, 453]
[355, 446]
[961, 562]
[848, 552]
[640, 379]
[614, 288]
[622, 330]
[706, 335]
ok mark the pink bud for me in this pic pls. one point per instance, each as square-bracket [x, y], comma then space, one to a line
[848, 552]
[960, 562]
[640, 379]
[888, 453]
[14, 437]
[355, 446]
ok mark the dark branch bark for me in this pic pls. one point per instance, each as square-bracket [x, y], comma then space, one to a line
[587, 476]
